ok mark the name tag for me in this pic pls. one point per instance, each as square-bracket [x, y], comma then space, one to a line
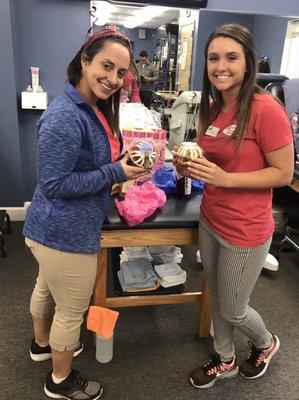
[229, 130]
[212, 131]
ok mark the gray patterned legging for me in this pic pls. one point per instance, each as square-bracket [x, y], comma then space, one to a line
[232, 272]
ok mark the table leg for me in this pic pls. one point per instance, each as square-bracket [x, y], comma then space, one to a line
[100, 289]
[205, 310]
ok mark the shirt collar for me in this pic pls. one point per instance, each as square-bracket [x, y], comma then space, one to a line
[74, 94]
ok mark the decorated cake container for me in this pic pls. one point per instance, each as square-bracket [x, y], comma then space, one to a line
[144, 153]
[187, 151]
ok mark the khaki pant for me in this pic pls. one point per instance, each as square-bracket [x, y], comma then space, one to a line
[63, 289]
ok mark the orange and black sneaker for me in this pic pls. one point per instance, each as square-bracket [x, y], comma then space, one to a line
[206, 375]
[258, 360]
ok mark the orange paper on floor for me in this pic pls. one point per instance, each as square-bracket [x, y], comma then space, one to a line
[102, 321]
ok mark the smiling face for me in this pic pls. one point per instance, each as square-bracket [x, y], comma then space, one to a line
[226, 66]
[104, 74]
[143, 60]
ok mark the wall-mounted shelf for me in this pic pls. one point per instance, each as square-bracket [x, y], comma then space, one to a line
[34, 100]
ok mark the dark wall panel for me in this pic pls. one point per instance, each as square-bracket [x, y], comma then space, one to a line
[11, 190]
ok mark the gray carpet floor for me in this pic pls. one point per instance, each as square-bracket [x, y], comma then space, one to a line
[155, 347]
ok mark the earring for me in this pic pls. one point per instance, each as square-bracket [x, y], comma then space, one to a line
[113, 108]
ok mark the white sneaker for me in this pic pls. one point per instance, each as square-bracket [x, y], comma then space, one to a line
[198, 257]
[271, 263]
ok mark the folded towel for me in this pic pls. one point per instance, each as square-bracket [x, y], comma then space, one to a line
[136, 252]
[138, 271]
[167, 258]
[170, 284]
[170, 272]
[124, 257]
[102, 321]
[153, 250]
[150, 285]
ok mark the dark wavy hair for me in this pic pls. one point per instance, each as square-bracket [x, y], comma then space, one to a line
[93, 46]
[209, 112]
[133, 68]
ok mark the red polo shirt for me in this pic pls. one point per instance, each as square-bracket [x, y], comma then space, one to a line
[243, 217]
[113, 140]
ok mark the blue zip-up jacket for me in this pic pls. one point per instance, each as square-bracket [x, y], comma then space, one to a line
[75, 175]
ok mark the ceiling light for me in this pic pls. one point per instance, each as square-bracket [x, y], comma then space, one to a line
[143, 15]
[103, 12]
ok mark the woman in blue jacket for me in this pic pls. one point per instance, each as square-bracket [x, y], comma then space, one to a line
[78, 147]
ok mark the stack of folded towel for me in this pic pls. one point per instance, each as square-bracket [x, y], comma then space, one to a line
[170, 274]
[136, 272]
[132, 253]
[165, 254]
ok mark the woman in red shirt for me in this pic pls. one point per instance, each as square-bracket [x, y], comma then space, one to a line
[130, 89]
[246, 137]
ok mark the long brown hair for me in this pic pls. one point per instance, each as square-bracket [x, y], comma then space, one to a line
[133, 68]
[94, 45]
[208, 110]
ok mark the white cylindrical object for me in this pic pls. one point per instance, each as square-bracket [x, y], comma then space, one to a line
[34, 78]
[104, 349]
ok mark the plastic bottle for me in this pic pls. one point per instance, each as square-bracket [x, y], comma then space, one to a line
[183, 187]
[104, 349]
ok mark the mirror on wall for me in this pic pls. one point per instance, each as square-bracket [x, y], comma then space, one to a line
[154, 29]
[174, 38]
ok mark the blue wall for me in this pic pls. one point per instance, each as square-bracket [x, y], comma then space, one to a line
[147, 44]
[208, 20]
[11, 190]
[274, 7]
[269, 34]
[47, 34]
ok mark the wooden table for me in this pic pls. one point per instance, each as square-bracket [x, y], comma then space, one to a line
[165, 228]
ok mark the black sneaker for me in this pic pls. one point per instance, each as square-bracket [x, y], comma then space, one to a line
[74, 387]
[206, 375]
[258, 360]
[38, 353]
